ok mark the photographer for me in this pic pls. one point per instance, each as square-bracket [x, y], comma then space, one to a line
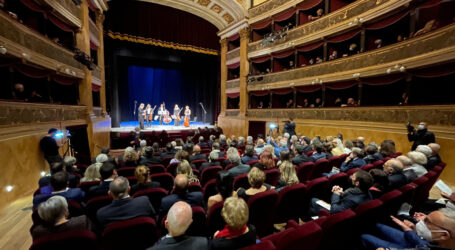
[421, 136]
[289, 127]
[49, 146]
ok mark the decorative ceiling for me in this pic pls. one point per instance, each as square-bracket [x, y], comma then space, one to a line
[221, 13]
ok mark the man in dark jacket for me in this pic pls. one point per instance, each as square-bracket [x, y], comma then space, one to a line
[197, 154]
[353, 161]
[213, 157]
[394, 168]
[421, 136]
[300, 156]
[108, 174]
[149, 158]
[170, 151]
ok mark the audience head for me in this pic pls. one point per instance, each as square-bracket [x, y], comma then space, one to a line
[260, 142]
[435, 148]
[266, 159]
[285, 156]
[213, 156]
[148, 152]
[249, 150]
[356, 152]
[318, 147]
[182, 155]
[53, 210]
[105, 150]
[142, 174]
[184, 167]
[119, 188]
[179, 218]
[380, 178]
[235, 213]
[405, 161]
[130, 156]
[143, 143]
[188, 147]
[101, 158]
[92, 173]
[196, 149]
[216, 146]
[393, 166]
[222, 137]
[201, 139]
[52, 131]
[288, 173]
[57, 167]
[424, 149]
[417, 158]
[107, 171]
[256, 177]
[129, 149]
[69, 162]
[362, 180]
[438, 226]
[233, 155]
[371, 150]
[59, 181]
[299, 149]
[249, 139]
[180, 184]
[224, 183]
[348, 144]
[387, 148]
[173, 144]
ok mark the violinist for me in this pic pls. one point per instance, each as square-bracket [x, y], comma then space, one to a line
[140, 115]
[176, 115]
[149, 114]
[161, 112]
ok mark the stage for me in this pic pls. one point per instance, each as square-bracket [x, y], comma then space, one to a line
[126, 127]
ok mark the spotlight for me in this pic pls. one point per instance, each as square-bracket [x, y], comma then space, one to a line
[9, 188]
[272, 125]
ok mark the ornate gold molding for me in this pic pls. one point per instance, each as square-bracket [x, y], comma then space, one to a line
[270, 8]
[232, 112]
[435, 47]
[224, 42]
[66, 9]
[232, 84]
[245, 33]
[233, 55]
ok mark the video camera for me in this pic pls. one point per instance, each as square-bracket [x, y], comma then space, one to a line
[409, 127]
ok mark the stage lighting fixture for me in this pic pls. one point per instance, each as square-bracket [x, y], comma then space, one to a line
[272, 125]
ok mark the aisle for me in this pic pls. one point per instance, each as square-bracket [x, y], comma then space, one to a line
[15, 223]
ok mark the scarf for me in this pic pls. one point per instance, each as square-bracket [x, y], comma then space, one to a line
[230, 233]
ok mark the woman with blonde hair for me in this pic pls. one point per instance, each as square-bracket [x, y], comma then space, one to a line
[144, 180]
[185, 169]
[92, 173]
[288, 175]
[130, 159]
[236, 234]
[256, 179]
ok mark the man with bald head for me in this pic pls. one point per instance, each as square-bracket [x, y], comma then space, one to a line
[197, 154]
[180, 193]
[178, 219]
[394, 168]
[434, 159]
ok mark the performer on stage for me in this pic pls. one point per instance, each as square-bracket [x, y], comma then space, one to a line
[140, 115]
[149, 114]
[161, 112]
[176, 115]
[186, 122]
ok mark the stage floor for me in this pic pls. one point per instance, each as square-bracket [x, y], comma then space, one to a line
[131, 125]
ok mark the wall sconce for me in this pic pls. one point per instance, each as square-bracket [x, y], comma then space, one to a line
[397, 67]
[356, 75]
[3, 50]
[9, 188]
[26, 56]
[291, 84]
[402, 69]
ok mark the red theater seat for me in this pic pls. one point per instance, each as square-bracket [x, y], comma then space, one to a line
[263, 245]
[340, 179]
[85, 186]
[157, 168]
[198, 163]
[272, 176]
[71, 240]
[209, 173]
[166, 180]
[320, 167]
[290, 203]
[215, 221]
[262, 209]
[126, 171]
[209, 189]
[307, 236]
[96, 203]
[198, 226]
[154, 194]
[305, 171]
[172, 168]
[135, 234]
[241, 181]
[338, 230]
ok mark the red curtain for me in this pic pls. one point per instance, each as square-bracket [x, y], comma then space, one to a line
[64, 80]
[63, 26]
[95, 87]
[303, 18]
[234, 37]
[306, 5]
[343, 37]
[31, 71]
[283, 54]
[309, 88]
[285, 15]
[387, 21]
[383, 80]
[233, 95]
[260, 93]
[33, 6]
[93, 46]
[337, 4]
[277, 66]
[234, 65]
[284, 91]
[260, 59]
[436, 71]
[261, 25]
[429, 3]
[310, 47]
[91, 5]
[341, 85]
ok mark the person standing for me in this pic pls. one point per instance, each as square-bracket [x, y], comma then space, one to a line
[161, 112]
[141, 115]
[149, 114]
[177, 115]
[421, 136]
[49, 146]
[187, 116]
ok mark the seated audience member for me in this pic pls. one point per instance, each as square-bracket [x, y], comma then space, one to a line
[92, 173]
[288, 175]
[241, 141]
[259, 146]
[101, 158]
[394, 168]
[282, 146]
[338, 148]
[213, 161]
[360, 142]
[108, 174]
[249, 154]
[59, 183]
[351, 197]
[55, 168]
[120, 157]
[223, 142]
[256, 178]
[418, 162]
[170, 151]
[110, 159]
[212, 139]
[407, 170]
[130, 159]
[351, 103]
[197, 154]
[54, 212]
[284, 156]
[236, 234]
[224, 186]
[266, 161]
[184, 168]
[353, 160]
[372, 154]
[348, 145]
[178, 220]
[433, 231]
[306, 143]
[216, 148]
[123, 207]
[434, 159]
[300, 156]
[318, 153]
[202, 142]
[142, 146]
[180, 193]
[69, 163]
[380, 183]
[178, 144]
[328, 146]
[156, 149]
[249, 140]
[387, 148]
[180, 156]
[233, 157]
[144, 180]
[149, 158]
[238, 168]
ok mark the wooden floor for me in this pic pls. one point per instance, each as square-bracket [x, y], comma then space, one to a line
[16, 220]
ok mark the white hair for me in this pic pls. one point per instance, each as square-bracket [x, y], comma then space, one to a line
[222, 137]
[173, 143]
[418, 158]
[233, 155]
[143, 143]
[287, 135]
[241, 138]
[101, 158]
[129, 149]
[424, 149]
[54, 209]
[283, 143]
[249, 139]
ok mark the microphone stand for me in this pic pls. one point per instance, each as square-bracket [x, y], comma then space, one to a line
[204, 112]
[134, 111]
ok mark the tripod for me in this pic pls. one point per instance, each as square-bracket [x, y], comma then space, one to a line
[69, 150]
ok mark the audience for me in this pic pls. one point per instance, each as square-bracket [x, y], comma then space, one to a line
[55, 168]
[421, 136]
[380, 183]
[180, 156]
[348, 145]
[288, 175]
[185, 169]
[256, 179]
[213, 161]
[54, 212]
[216, 148]
[108, 174]
[266, 161]
[354, 160]
[178, 220]
[144, 180]
[224, 186]
[284, 156]
[249, 154]
[259, 146]
[387, 148]
[130, 159]
[232, 157]
[373, 154]
[123, 207]
[236, 234]
[300, 156]
[92, 173]
[418, 162]
[394, 168]
[149, 157]
[318, 147]
[197, 154]
[434, 159]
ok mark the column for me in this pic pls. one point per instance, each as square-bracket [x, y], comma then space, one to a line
[295, 97]
[362, 40]
[360, 93]
[244, 69]
[412, 22]
[99, 24]
[324, 52]
[224, 45]
[323, 97]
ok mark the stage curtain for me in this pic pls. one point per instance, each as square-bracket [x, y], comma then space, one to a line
[261, 25]
[284, 91]
[234, 37]
[283, 54]
[341, 85]
[383, 80]
[310, 47]
[260, 59]
[285, 15]
[64, 80]
[233, 95]
[260, 93]
[234, 65]
[308, 88]
[343, 37]
[436, 71]
[95, 88]
[31, 71]
[306, 5]
[93, 46]
[337, 4]
[387, 21]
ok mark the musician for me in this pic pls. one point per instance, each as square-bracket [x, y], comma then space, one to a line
[161, 112]
[141, 115]
[176, 115]
[149, 114]
[187, 116]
